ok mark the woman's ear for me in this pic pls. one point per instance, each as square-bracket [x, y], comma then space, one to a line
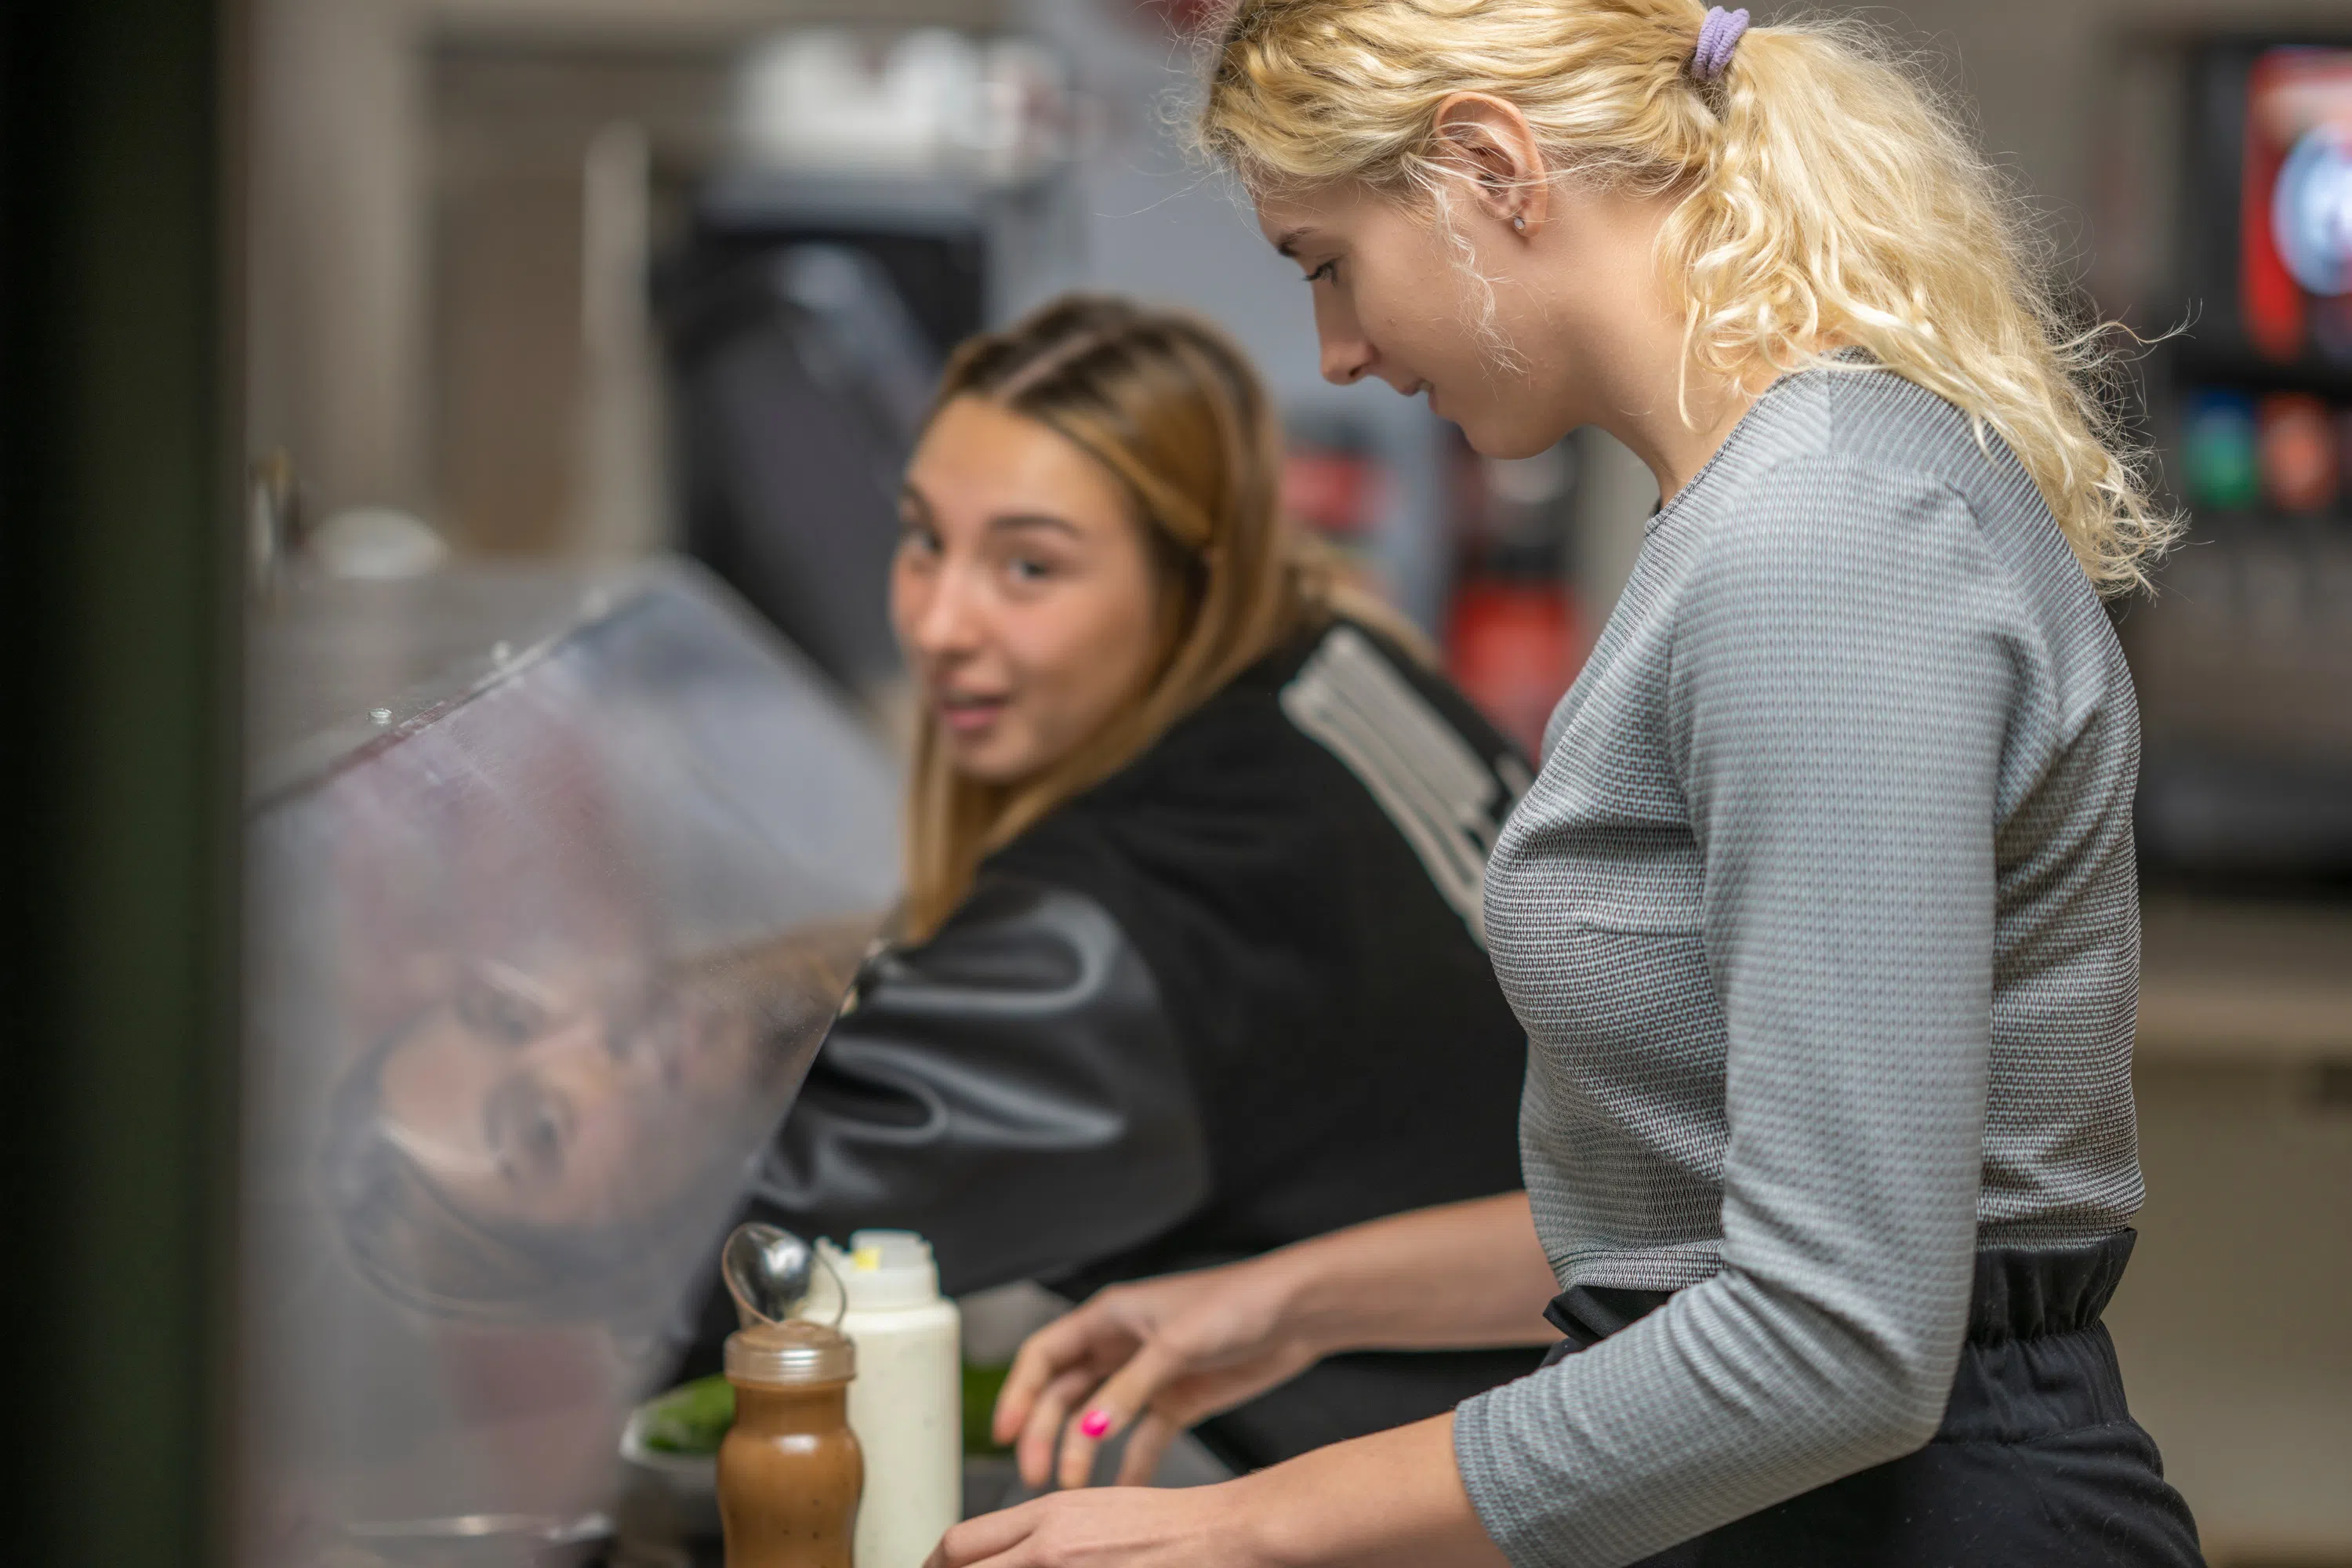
[1489, 143]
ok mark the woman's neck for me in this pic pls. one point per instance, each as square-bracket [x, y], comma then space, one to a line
[1649, 418]
[1625, 335]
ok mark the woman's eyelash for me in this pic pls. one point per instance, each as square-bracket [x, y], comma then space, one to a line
[1329, 270]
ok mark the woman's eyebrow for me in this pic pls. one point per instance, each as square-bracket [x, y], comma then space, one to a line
[910, 496]
[1288, 244]
[1009, 521]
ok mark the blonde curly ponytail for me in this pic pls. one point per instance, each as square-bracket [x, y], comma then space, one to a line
[1829, 199]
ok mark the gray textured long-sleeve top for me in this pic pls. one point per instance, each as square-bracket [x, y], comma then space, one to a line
[1823, 922]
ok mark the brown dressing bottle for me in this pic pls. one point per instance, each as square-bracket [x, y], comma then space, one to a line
[789, 1472]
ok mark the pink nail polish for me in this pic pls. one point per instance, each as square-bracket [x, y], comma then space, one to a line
[1095, 1424]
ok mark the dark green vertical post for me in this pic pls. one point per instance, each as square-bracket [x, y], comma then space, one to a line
[117, 655]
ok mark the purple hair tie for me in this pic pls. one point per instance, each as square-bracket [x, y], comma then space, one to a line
[1717, 36]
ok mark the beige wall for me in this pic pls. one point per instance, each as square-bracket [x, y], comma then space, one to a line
[2231, 1324]
[2025, 63]
[416, 331]
[336, 303]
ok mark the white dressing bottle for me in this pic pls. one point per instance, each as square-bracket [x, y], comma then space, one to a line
[906, 1405]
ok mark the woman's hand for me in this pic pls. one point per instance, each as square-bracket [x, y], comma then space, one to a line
[1129, 1527]
[1161, 1354]
[1158, 1355]
[1393, 1499]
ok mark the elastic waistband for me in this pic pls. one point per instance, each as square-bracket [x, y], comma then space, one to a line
[2031, 1293]
[2021, 1294]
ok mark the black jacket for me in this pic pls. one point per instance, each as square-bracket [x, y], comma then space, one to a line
[1231, 998]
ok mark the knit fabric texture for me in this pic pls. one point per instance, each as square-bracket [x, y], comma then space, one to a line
[1823, 920]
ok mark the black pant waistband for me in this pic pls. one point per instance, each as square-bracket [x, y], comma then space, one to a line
[2021, 1294]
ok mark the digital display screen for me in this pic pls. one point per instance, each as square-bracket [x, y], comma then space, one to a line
[2295, 227]
[2266, 401]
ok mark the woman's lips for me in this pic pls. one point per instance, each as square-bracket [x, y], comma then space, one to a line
[968, 715]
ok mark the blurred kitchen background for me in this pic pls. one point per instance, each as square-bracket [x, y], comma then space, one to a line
[404, 291]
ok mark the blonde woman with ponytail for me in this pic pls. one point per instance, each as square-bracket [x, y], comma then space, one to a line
[1821, 914]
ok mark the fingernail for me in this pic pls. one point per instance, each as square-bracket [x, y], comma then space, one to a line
[1095, 1424]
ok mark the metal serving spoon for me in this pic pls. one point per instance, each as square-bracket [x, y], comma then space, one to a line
[768, 1271]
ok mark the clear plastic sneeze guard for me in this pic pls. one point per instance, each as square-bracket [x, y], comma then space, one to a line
[554, 883]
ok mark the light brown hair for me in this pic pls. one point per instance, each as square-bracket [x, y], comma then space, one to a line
[1172, 410]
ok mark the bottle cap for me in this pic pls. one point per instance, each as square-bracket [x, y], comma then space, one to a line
[783, 1354]
[884, 1270]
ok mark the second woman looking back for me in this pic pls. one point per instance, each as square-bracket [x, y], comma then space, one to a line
[1191, 966]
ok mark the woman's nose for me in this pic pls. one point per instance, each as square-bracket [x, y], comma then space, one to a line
[584, 1052]
[942, 620]
[1344, 364]
[1347, 357]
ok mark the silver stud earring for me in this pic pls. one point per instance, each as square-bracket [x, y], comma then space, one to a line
[1520, 225]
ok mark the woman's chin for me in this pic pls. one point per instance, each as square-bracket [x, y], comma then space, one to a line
[1505, 441]
[991, 759]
